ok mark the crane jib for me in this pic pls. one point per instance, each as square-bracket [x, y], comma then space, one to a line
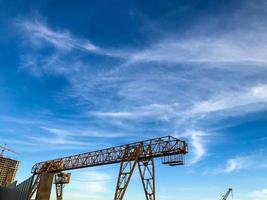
[171, 148]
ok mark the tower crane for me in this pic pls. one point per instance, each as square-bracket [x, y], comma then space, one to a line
[5, 148]
[141, 154]
[227, 194]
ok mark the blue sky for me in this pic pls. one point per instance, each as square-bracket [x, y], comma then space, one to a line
[78, 75]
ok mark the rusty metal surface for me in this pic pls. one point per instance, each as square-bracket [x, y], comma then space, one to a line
[161, 147]
[61, 179]
[147, 174]
[45, 186]
[126, 171]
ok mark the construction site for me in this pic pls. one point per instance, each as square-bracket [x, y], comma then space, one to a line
[56, 172]
[133, 99]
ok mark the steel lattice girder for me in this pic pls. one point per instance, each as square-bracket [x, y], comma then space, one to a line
[158, 147]
[126, 171]
[147, 174]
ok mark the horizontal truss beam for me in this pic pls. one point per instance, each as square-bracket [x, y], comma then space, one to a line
[158, 147]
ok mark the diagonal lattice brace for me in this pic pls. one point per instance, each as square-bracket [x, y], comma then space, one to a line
[126, 170]
[34, 186]
[147, 173]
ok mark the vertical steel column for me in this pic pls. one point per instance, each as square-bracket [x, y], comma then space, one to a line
[59, 191]
[126, 172]
[44, 186]
[61, 179]
[147, 173]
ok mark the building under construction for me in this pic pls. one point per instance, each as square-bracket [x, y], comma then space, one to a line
[8, 168]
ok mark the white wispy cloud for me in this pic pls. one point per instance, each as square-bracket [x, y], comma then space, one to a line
[89, 184]
[62, 39]
[219, 49]
[18, 120]
[242, 162]
[58, 141]
[83, 132]
[32, 145]
[197, 76]
[231, 100]
[52, 64]
[66, 55]
[54, 133]
[236, 164]
[242, 40]
[259, 194]
[160, 111]
[99, 179]
[196, 139]
[184, 106]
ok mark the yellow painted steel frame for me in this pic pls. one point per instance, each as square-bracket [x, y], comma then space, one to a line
[147, 173]
[139, 153]
[126, 171]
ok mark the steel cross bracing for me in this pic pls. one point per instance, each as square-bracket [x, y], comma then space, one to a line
[34, 186]
[126, 171]
[147, 174]
[169, 147]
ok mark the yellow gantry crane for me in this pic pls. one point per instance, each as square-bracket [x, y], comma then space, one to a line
[141, 154]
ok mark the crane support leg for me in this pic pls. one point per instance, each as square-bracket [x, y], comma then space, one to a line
[59, 191]
[45, 186]
[126, 171]
[147, 173]
[125, 174]
[61, 179]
